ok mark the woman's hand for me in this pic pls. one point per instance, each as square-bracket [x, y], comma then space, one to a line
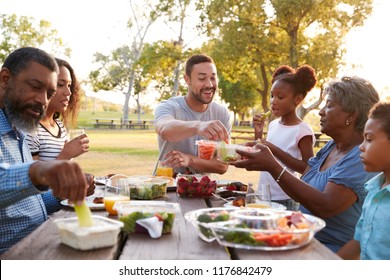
[75, 147]
[261, 160]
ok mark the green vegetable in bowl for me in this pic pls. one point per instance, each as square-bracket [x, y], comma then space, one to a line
[205, 218]
[130, 220]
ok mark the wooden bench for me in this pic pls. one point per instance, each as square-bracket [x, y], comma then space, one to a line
[106, 123]
[244, 123]
[242, 134]
[321, 140]
[133, 124]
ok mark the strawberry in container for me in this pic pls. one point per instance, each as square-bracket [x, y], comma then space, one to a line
[195, 186]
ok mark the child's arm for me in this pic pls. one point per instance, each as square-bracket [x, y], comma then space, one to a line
[306, 147]
[350, 251]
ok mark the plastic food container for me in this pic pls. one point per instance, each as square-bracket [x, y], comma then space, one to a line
[144, 187]
[202, 218]
[131, 211]
[104, 233]
[195, 185]
[206, 149]
[292, 230]
[227, 152]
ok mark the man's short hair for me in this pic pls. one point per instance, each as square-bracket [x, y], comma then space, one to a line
[21, 58]
[196, 59]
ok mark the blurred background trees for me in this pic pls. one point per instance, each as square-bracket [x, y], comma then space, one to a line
[248, 39]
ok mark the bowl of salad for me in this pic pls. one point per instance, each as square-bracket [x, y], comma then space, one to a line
[147, 216]
[201, 219]
[291, 230]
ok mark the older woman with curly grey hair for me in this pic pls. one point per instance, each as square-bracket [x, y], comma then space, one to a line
[332, 186]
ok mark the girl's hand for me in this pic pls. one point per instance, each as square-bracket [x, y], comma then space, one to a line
[258, 122]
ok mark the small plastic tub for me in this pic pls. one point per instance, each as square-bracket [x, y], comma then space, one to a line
[131, 211]
[206, 149]
[104, 233]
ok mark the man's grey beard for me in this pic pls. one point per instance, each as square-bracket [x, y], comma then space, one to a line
[16, 117]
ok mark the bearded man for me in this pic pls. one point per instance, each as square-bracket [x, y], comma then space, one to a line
[28, 80]
[181, 121]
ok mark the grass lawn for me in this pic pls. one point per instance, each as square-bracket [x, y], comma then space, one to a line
[134, 152]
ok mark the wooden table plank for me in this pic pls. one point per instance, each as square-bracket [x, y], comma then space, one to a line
[312, 251]
[183, 243]
[44, 244]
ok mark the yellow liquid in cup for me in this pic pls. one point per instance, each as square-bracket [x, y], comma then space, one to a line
[164, 171]
[257, 205]
[110, 201]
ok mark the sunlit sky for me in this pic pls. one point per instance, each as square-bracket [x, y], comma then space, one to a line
[90, 26]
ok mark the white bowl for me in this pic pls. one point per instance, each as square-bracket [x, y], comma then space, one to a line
[103, 233]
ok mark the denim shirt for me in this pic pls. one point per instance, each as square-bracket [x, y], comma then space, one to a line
[348, 171]
[21, 205]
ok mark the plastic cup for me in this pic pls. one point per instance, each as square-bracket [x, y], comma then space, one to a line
[163, 170]
[112, 194]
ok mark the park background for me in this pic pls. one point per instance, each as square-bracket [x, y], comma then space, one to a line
[93, 34]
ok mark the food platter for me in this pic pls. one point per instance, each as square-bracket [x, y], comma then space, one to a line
[89, 201]
[283, 237]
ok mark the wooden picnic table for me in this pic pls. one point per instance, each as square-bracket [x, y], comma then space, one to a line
[107, 123]
[113, 123]
[183, 243]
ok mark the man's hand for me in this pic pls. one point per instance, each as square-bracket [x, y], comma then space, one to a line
[213, 130]
[64, 177]
[177, 159]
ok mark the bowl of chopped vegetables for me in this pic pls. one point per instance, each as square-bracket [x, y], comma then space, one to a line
[291, 230]
[143, 187]
[202, 218]
[131, 212]
[228, 152]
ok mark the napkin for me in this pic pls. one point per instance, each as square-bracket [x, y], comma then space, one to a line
[153, 225]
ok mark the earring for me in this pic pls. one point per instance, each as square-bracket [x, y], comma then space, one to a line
[347, 122]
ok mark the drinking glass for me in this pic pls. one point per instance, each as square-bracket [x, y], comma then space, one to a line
[164, 170]
[73, 133]
[259, 199]
[112, 194]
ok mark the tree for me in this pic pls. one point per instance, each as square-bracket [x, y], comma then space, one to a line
[25, 31]
[253, 37]
[163, 60]
[120, 69]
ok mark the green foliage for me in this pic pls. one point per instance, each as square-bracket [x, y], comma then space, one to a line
[240, 95]
[23, 31]
[250, 38]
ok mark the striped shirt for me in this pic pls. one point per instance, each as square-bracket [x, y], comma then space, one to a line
[22, 208]
[46, 145]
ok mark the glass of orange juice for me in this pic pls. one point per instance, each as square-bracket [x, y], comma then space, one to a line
[164, 170]
[113, 194]
[259, 199]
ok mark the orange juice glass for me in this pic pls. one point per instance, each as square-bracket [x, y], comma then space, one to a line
[113, 194]
[109, 202]
[163, 170]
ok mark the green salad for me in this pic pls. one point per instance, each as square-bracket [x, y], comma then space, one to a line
[130, 225]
